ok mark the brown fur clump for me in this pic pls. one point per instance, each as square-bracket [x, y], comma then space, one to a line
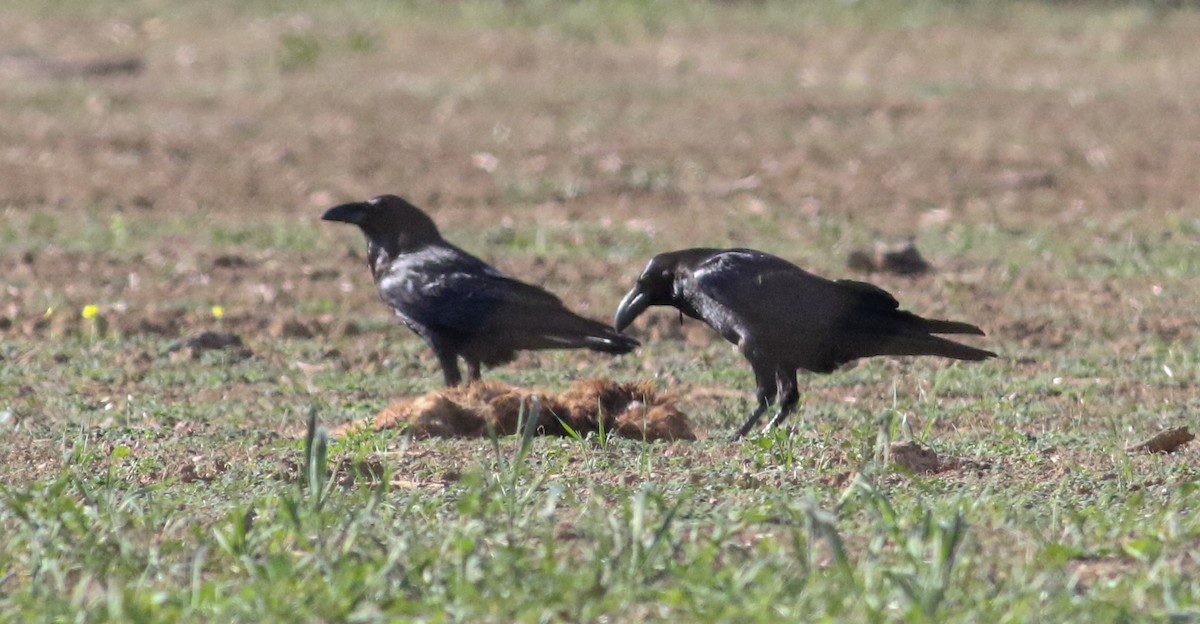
[921, 460]
[510, 409]
[630, 410]
[659, 422]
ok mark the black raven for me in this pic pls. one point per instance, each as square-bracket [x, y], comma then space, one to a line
[783, 318]
[459, 304]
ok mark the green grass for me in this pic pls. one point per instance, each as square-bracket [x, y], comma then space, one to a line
[171, 503]
[532, 538]
[810, 525]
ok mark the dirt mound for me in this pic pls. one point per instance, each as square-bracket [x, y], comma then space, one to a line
[14, 65]
[1166, 442]
[921, 460]
[630, 410]
[902, 260]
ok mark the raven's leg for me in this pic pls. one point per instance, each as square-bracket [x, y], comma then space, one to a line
[789, 396]
[449, 361]
[473, 374]
[765, 379]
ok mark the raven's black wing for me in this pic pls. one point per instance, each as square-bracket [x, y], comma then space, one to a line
[816, 322]
[763, 290]
[453, 293]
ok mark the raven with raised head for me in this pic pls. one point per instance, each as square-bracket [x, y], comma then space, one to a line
[783, 318]
[457, 303]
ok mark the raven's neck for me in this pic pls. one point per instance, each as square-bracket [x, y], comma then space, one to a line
[681, 292]
[382, 251]
[685, 306]
[379, 258]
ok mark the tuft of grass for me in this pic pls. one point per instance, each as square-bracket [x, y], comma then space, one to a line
[298, 51]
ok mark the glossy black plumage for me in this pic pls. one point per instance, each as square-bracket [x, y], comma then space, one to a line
[458, 304]
[783, 318]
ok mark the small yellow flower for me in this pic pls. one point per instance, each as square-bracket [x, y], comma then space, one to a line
[89, 311]
[49, 312]
[218, 312]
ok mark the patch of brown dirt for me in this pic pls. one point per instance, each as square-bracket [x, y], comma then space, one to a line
[1087, 573]
[1039, 333]
[201, 469]
[630, 410]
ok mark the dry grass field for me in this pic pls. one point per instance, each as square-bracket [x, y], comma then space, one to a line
[163, 167]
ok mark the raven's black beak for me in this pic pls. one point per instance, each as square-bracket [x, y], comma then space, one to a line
[346, 213]
[630, 308]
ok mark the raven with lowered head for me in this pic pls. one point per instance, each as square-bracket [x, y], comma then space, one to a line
[457, 303]
[783, 318]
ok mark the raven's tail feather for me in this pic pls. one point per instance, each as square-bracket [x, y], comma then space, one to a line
[867, 344]
[588, 334]
[932, 345]
[612, 343]
[936, 326]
